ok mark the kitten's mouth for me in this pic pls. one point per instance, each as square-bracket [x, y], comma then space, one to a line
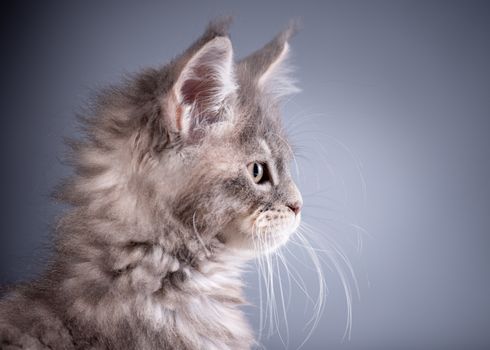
[276, 235]
[262, 231]
[272, 229]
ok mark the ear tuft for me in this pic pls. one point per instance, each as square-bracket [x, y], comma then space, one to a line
[218, 27]
[277, 78]
[269, 66]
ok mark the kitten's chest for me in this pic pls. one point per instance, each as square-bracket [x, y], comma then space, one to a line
[202, 313]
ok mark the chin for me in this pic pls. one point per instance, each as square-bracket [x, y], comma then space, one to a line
[274, 239]
[253, 239]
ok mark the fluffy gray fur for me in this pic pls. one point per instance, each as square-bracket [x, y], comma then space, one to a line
[163, 209]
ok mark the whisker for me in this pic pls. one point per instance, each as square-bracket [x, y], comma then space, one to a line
[345, 281]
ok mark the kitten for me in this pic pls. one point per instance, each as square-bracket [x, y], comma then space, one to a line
[181, 178]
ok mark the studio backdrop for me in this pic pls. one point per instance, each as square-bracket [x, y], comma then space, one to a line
[391, 134]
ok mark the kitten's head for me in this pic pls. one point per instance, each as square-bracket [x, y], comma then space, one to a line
[199, 142]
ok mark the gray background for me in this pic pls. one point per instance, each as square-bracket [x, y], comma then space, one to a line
[393, 125]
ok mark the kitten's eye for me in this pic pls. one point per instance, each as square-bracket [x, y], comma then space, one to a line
[258, 172]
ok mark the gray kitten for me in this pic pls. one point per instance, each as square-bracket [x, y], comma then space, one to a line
[181, 178]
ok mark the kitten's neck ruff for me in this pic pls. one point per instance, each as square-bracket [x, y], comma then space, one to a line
[188, 294]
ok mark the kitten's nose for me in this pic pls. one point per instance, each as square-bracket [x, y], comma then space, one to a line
[295, 207]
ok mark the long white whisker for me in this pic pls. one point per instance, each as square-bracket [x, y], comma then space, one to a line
[283, 304]
[319, 305]
[282, 259]
[334, 260]
[341, 254]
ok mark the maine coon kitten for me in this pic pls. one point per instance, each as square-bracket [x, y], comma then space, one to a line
[182, 177]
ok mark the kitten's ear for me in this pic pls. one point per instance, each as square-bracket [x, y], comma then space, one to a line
[268, 66]
[204, 83]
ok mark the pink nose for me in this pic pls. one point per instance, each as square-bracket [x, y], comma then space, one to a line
[295, 207]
